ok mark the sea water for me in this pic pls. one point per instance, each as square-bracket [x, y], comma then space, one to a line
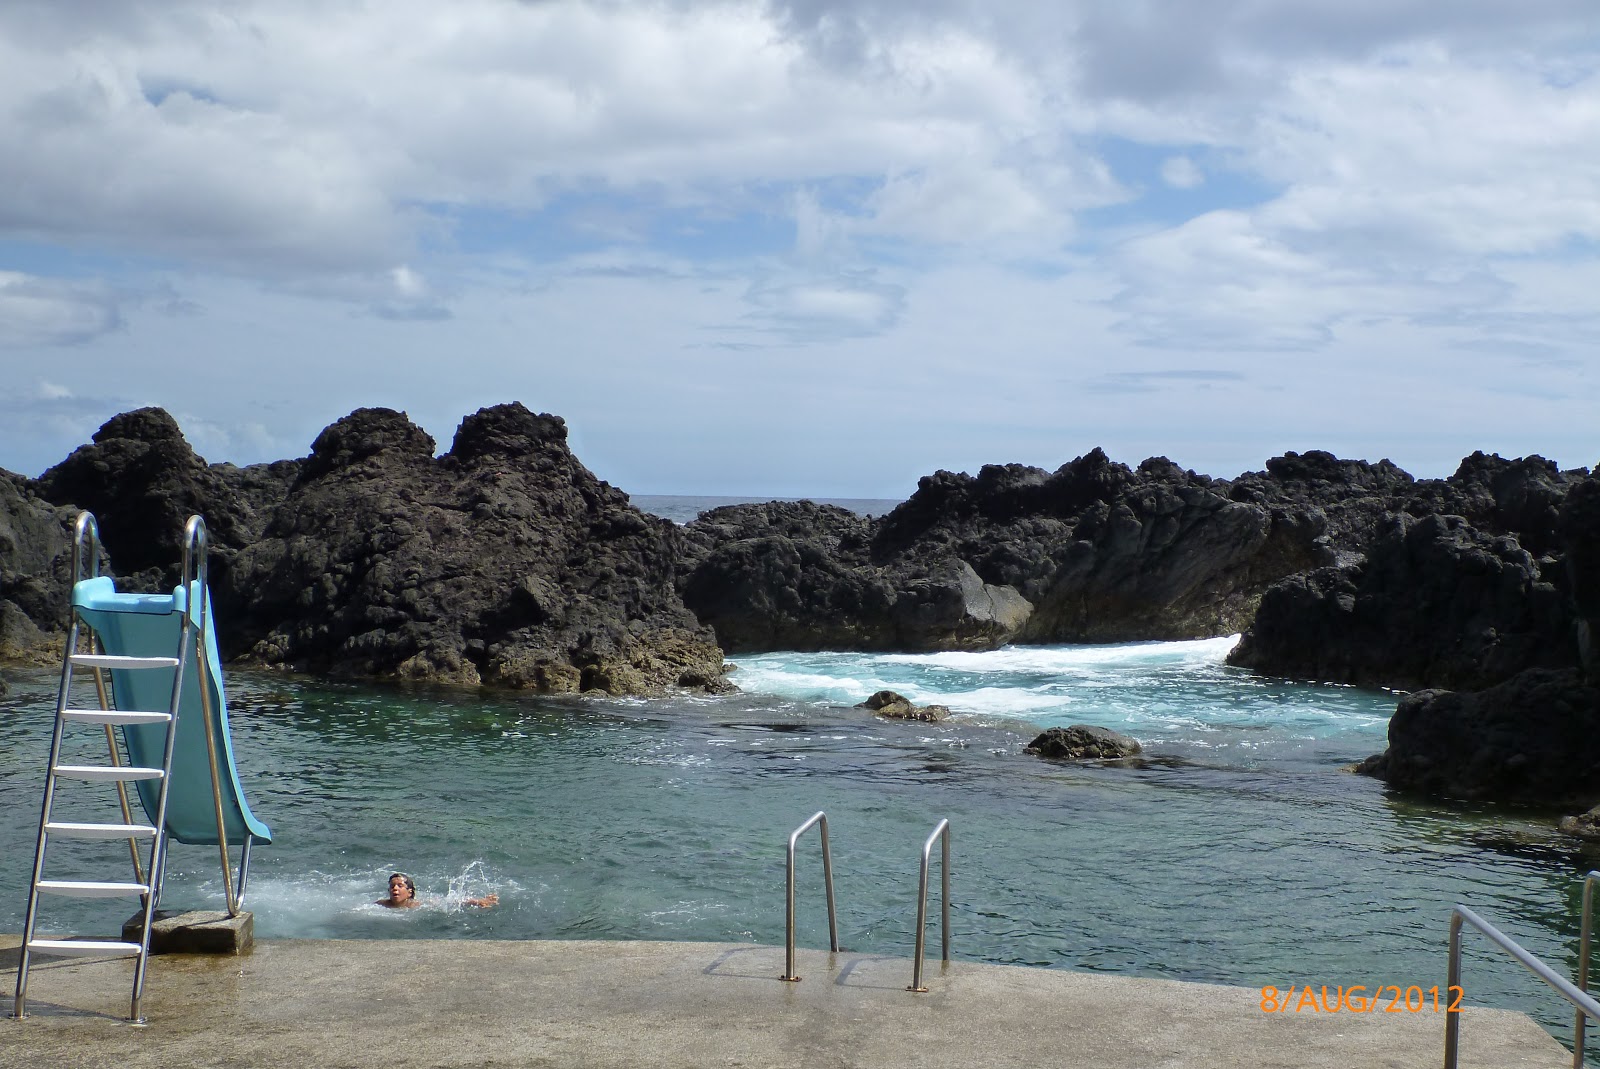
[1239, 850]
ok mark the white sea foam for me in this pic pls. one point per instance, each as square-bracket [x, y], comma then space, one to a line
[316, 902]
[1170, 688]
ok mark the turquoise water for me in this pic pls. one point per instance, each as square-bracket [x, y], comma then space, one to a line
[1239, 852]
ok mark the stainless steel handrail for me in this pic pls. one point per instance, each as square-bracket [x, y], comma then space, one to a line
[1580, 1018]
[1585, 1005]
[821, 819]
[940, 833]
[195, 545]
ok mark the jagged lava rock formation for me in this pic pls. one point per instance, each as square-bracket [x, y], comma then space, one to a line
[1093, 552]
[35, 559]
[1487, 583]
[1458, 582]
[504, 561]
[142, 480]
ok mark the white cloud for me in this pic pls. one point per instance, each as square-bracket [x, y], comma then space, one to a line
[47, 312]
[1180, 172]
[587, 199]
[811, 309]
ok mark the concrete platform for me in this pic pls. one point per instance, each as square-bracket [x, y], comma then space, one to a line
[353, 1005]
[196, 931]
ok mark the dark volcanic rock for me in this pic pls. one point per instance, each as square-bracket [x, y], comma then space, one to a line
[1353, 496]
[1533, 738]
[888, 703]
[1579, 525]
[142, 481]
[1583, 826]
[1436, 603]
[1092, 552]
[784, 575]
[1104, 553]
[1080, 742]
[1519, 497]
[504, 562]
[35, 567]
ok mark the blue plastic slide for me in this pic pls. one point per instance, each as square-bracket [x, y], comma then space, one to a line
[148, 625]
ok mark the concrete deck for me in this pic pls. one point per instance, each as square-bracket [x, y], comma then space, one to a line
[352, 1005]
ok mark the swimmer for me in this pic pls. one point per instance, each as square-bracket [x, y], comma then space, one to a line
[403, 895]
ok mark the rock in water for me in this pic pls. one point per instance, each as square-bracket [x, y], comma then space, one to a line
[504, 562]
[1080, 742]
[1534, 738]
[889, 704]
[1584, 826]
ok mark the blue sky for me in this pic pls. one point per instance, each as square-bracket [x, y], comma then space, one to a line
[818, 247]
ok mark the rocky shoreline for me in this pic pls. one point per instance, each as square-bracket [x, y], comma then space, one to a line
[504, 562]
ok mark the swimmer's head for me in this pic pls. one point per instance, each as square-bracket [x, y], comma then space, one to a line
[402, 890]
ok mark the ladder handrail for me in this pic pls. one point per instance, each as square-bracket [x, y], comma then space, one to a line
[195, 545]
[1585, 1005]
[1580, 1018]
[941, 833]
[85, 525]
[818, 818]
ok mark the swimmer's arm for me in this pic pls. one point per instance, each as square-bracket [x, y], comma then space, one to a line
[485, 902]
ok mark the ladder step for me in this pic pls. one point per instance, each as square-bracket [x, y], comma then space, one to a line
[91, 889]
[70, 830]
[113, 716]
[107, 773]
[106, 660]
[85, 948]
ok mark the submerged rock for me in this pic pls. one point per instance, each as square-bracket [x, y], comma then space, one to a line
[1585, 826]
[503, 562]
[889, 704]
[1081, 742]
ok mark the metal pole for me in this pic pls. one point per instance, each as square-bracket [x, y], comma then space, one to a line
[1452, 1021]
[1566, 988]
[1581, 1018]
[943, 829]
[821, 819]
[195, 538]
[944, 889]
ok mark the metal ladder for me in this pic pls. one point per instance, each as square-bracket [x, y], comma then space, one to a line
[941, 834]
[146, 883]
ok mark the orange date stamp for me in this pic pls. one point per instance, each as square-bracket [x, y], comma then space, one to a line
[1383, 998]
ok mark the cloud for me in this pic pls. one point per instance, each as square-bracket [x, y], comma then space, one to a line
[43, 311]
[257, 141]
[1151, 381]
[1180, 172]
[572, 195]
[821, 309]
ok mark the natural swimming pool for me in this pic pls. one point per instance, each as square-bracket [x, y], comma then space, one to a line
[1238, 853]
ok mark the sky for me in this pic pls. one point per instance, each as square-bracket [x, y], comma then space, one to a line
[816, 247]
